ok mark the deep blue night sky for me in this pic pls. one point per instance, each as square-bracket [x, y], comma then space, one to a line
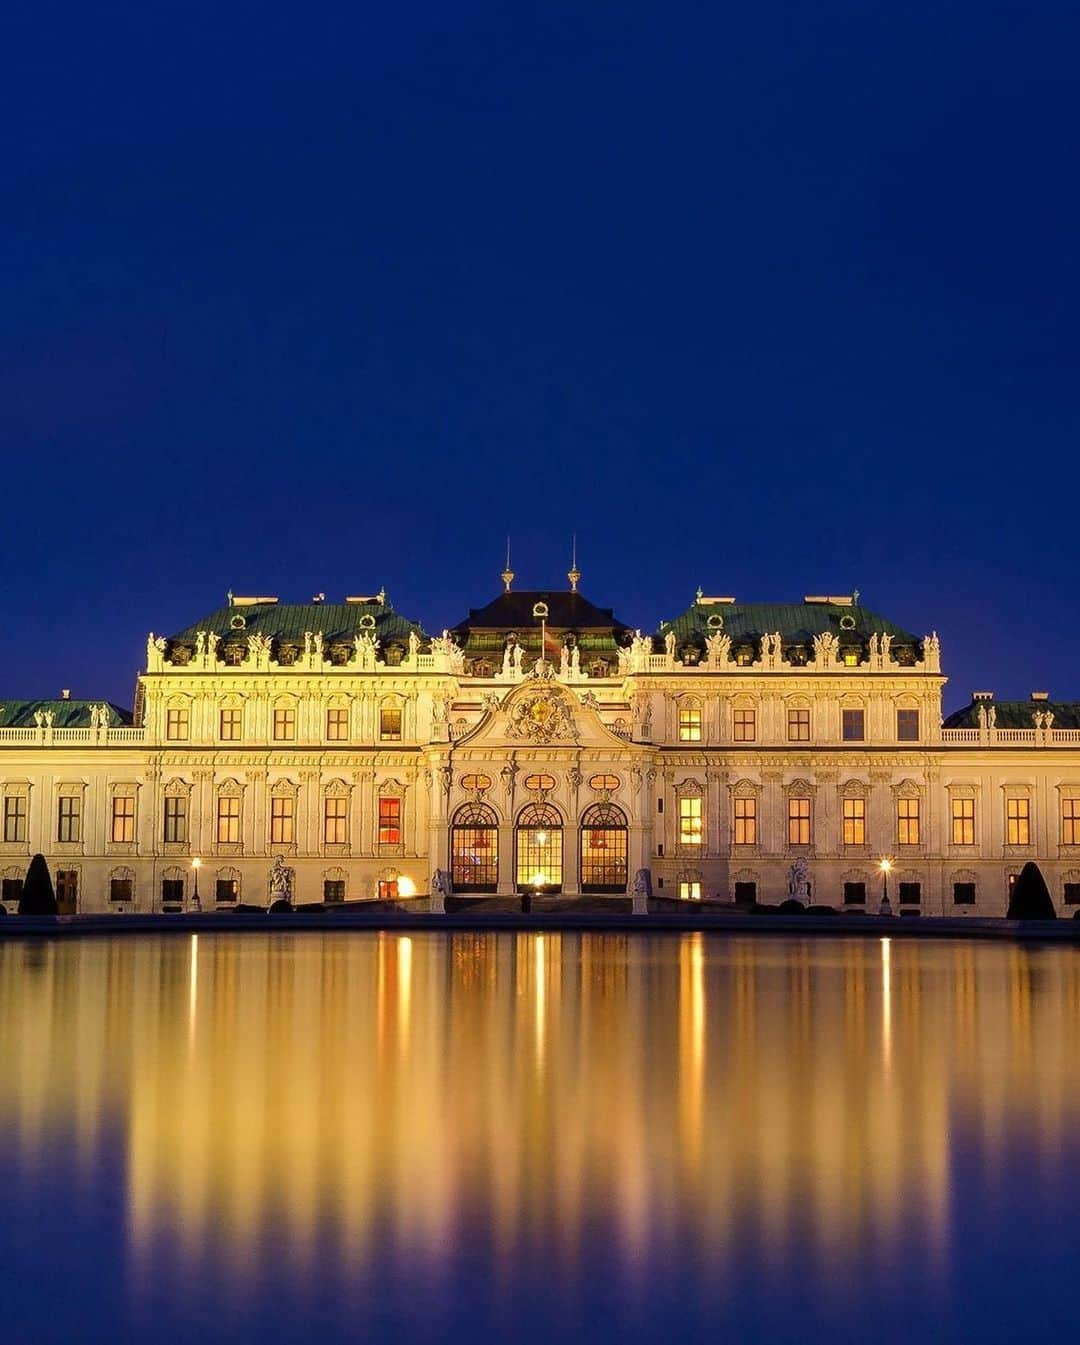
[774, 298]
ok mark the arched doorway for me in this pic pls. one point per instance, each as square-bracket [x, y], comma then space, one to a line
[603, 849]
[539, 848]
[474, 849]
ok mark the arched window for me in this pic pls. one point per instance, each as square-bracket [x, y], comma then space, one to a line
[603, 849]
[474, 849]
[539, 848]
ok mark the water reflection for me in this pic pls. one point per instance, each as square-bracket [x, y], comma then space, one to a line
[415, 1109]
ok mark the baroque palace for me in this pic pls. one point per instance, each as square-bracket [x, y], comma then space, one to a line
[541, 745]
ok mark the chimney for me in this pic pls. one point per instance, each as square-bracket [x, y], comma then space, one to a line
[1040, 695]
[65, 695]
[982, 695]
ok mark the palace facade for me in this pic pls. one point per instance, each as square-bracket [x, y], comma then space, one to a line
[543, 745]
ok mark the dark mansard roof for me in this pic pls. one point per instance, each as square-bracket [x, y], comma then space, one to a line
[67, 714]
[287, 623]
[1016, 714]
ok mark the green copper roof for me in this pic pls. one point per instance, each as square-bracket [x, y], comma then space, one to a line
[288, 622]
[1016, 714]
[797, 623]
[67, 714]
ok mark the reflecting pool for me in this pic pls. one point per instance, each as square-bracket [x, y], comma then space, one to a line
[537, 1137]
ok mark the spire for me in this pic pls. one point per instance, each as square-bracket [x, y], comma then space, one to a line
[507, 575]
[574, 574]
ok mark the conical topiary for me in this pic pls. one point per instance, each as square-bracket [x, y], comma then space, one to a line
[38, 897]
[1031, 898]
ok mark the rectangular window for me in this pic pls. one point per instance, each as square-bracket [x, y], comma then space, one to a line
[798, 726]
[228, 821]
[744, 726]
[798, 825]
[176, 725]
[335, 821]
[1017, 821]
[854, 894]
[67, 890]
[963, 894]
[230, 725]
[854, 821]
[172, 891]
[1072, 894]
[390, 724]
[690, 821]
[121, 889]
[284, 724]
[227, 889]
[907, 726]
[282, 820]
[337, 725]
[853, 727]
[907, 821]
[963, 821]
[690, 891]
[123, 820]
[910, 894]
[333, 889]
[387, 889]
[745, 894]
[1070, 821]
[11, 889]
[15, 817]
[175, 821]
[745, 822]
[389, 821]
[689, 724]
[69, 818]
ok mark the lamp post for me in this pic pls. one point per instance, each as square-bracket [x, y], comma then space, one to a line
[196, 865]
[885, 865]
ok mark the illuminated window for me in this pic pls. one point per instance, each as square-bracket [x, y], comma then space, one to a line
[746, 822]
[1017, 821]
[604, 782]
[228, 821]
[544, 782]
[690, 890]
[907, 726]
[284, 724]
[282, 820]
[337, 725]
[69, 819]
[854, 821]
[853, 728]
[963, 821]
[15, 817]
[689, 724]
[798, 812]
[907, 821]
[176, 725]
[1070, 821]
[798, 726]
[744, 726]
[335, 821]
[539, 848]
[851, 658]
[474, 849]
[123, 820]
[390, 723]
[389, 821]
[175, 821]
[690, 821]
[230, 725]
[603, 849]
[388, 889]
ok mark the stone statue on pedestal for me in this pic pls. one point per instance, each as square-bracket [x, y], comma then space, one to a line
[798, 882]
[281, 882]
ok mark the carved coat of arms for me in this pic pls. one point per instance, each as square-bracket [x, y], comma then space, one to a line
[542, 717]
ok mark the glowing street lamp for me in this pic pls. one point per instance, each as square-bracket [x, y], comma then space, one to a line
[196, 865]
[885, 865]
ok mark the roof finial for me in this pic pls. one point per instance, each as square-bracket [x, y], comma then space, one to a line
[700, 593]
[855, 598]
[573, 574]
[229, 597]
[507, 575]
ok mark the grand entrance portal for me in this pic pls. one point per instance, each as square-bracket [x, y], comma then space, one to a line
[539, 840]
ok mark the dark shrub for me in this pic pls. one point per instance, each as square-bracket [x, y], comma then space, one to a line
[242, 909]
[281, 907]
[792, 907]
[38, 897]
[822, 910]
[1030, 898]
[763, 908]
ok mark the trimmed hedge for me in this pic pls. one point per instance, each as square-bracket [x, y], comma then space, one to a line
[1031, 898]
[38, 897]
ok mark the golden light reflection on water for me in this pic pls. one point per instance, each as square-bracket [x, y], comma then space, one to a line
[366, 1088]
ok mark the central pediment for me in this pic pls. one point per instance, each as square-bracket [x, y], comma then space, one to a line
[541, 712]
